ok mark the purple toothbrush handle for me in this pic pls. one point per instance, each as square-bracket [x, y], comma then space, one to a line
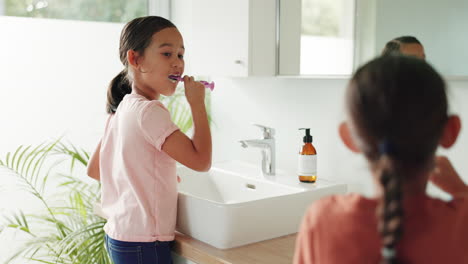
[205, 83]
[208, 85]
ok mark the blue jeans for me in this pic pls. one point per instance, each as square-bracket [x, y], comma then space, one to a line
[121, 252]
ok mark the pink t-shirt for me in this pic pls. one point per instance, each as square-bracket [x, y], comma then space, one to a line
[343, 229]
[139, 181]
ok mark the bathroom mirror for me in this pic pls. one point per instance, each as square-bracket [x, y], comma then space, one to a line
[333, 37]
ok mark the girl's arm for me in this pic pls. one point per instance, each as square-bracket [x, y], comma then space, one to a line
[445, 177]
[93, 164]
[194, 153]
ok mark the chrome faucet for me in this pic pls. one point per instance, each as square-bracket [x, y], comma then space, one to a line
[267, 145]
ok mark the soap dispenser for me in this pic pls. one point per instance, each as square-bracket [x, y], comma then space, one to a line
[307, 161]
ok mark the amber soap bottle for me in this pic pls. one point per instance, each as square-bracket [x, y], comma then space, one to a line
[307, 161]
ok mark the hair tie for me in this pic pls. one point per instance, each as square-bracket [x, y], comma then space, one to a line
[388, 252]
[386, 148]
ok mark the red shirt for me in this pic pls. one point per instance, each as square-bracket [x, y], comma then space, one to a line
[343, 229]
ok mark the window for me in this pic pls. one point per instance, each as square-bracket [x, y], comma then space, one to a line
[88, 10]
[327, 37]
[316, 37]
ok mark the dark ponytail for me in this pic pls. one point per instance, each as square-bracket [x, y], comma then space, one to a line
[137, 36]
[118, 88]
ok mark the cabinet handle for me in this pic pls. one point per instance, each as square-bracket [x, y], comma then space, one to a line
[238, 62]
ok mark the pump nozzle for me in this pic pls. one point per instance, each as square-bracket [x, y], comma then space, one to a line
[307, 137]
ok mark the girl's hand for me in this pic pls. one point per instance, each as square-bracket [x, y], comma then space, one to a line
[194, 153]
[194, 91]
[446, 178]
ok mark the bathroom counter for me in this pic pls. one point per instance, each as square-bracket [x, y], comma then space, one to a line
[274, 251]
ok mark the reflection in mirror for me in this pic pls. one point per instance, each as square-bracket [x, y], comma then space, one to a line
[439, 25]
[321, 37]
[319, 41]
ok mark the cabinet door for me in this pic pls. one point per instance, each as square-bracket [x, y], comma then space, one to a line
[219, 45]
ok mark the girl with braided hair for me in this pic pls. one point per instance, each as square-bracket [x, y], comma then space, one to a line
[397, 117]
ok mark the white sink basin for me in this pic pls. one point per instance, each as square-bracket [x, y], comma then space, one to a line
[233, 205]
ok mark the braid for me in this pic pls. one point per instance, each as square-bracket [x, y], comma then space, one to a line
[391, 211]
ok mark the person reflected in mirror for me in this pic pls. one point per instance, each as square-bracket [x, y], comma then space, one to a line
[406, 45]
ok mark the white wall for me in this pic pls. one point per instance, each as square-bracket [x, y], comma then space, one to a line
[439, 25]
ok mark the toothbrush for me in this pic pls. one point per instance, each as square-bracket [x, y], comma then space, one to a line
[205, 83]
